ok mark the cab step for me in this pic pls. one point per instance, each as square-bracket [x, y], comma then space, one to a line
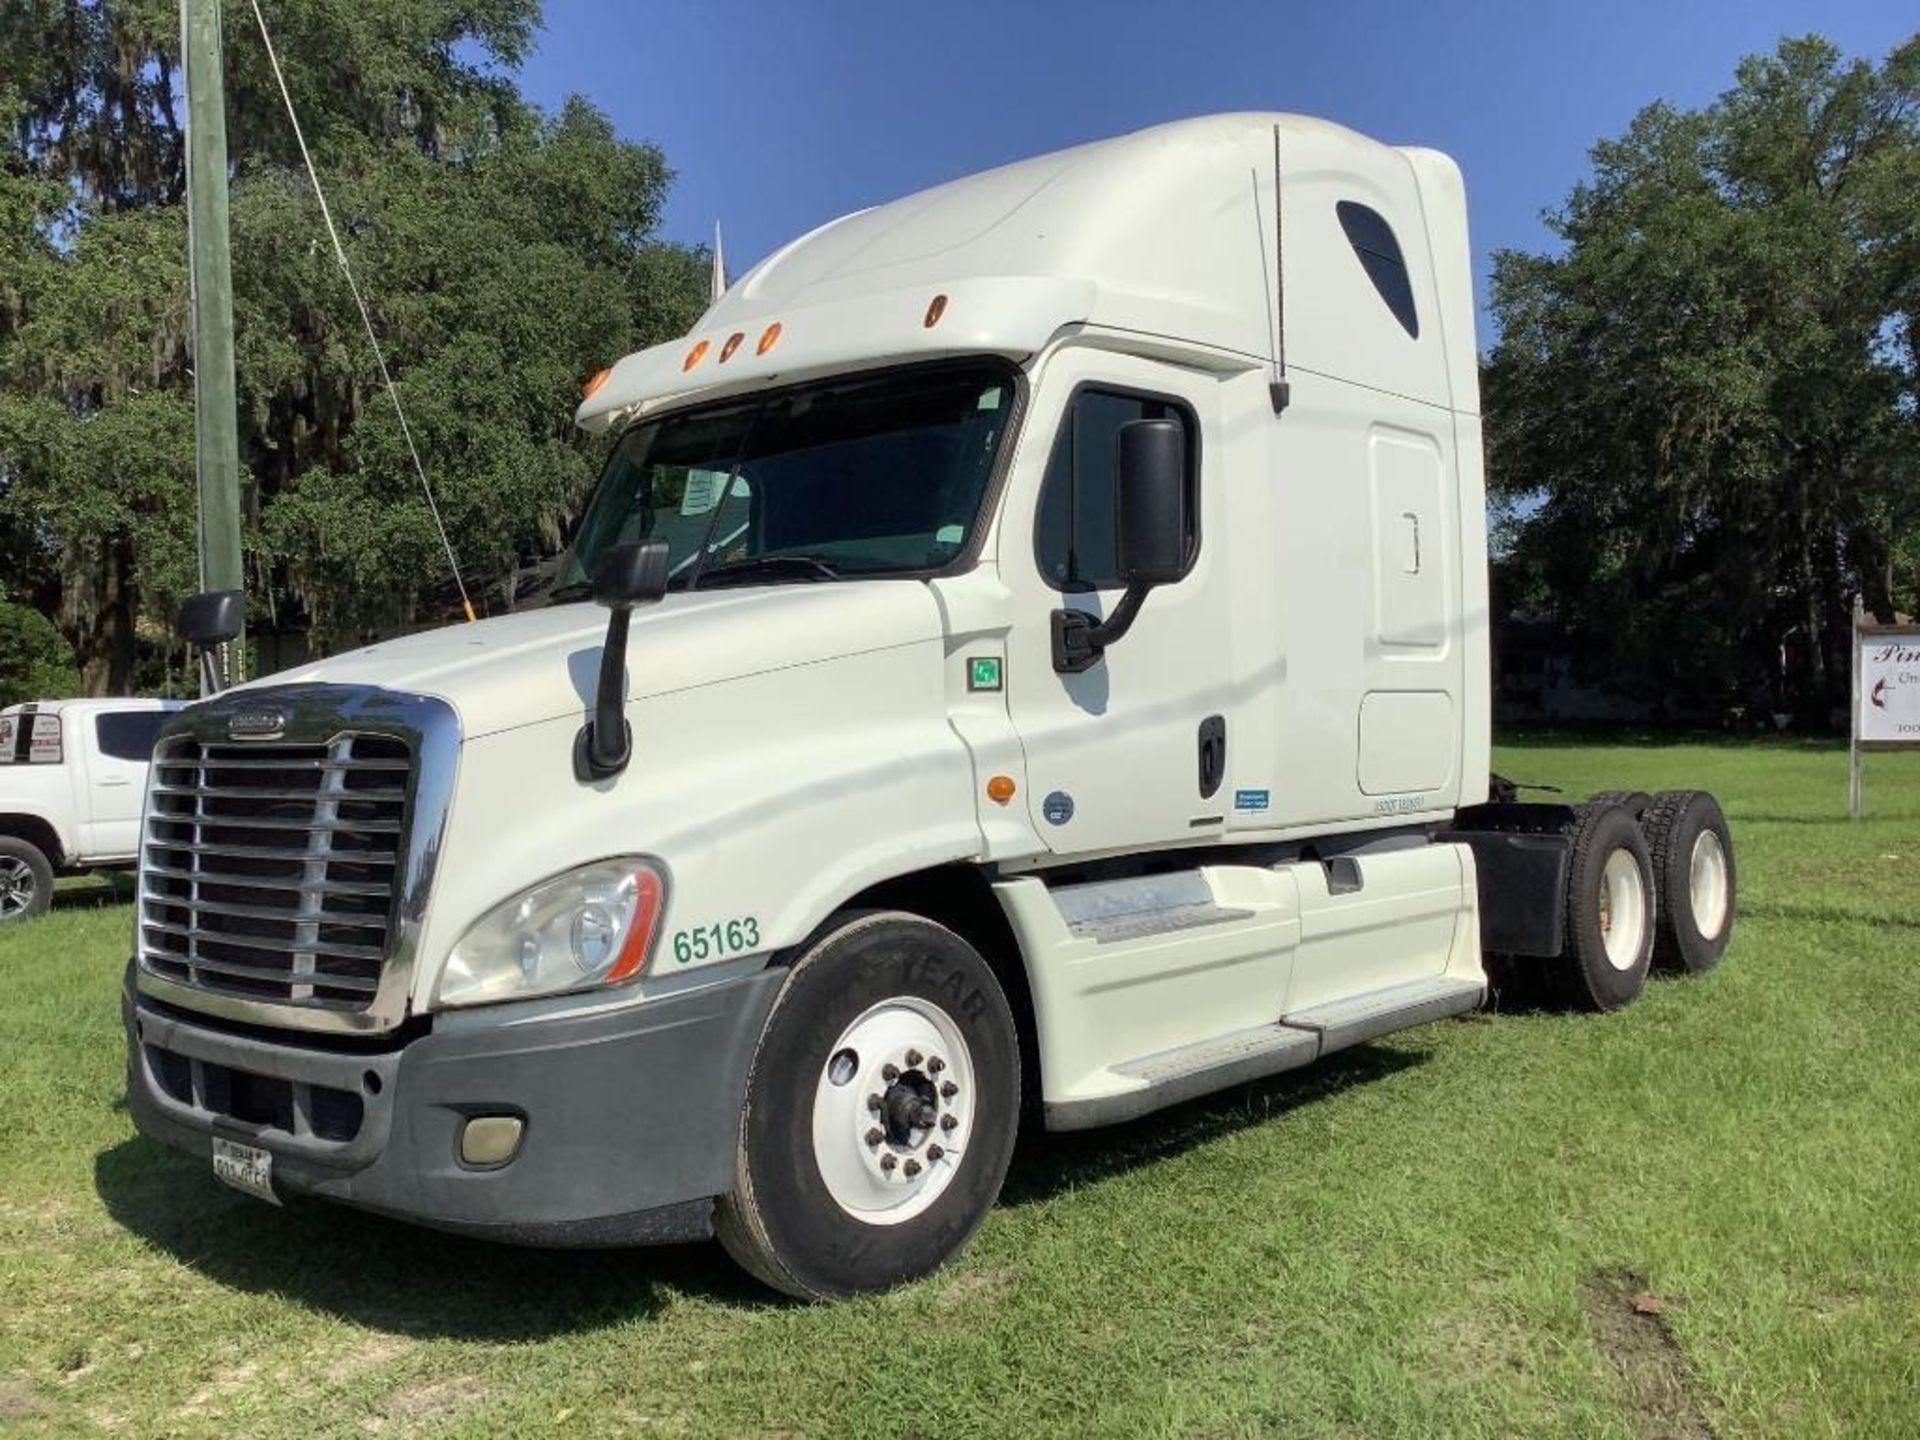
[1112, 911]
[1255, 1053]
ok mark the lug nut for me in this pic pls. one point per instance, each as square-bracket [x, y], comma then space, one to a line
[876, 1135]
[934, 1152]
[913, 1058]
[935, 1064]
[873, 1102]
[947, 1122]
[910, 1169]
[889, 1071]
[887, 1162]
[949, 1089]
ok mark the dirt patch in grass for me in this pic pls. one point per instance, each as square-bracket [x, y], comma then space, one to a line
[413, 1405]
[1629, 1324]
[18, 1402]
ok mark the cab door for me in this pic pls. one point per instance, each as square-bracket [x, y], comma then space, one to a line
[116, 748]
[1114, 753]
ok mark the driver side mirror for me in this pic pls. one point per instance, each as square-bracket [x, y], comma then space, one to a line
[632, 574]
[1150, 520]
[1150, 538]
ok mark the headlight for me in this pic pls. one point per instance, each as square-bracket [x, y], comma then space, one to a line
[589, 927]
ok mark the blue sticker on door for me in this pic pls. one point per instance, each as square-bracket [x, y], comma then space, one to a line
[1057, 807]
[1250, 799]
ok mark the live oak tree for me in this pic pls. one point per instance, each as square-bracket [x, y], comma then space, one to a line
[1704, 410]
[507, 253]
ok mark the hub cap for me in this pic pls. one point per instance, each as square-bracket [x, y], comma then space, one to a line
[16, 887]
[1623, 910]
[1707, 884]
[893, 1111]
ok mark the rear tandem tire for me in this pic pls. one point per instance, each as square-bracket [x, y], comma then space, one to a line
[1608, 944]
[881, 1111]
[1694, 874]
[26, 880]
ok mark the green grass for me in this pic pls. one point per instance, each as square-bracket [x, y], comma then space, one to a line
[1429, 1235]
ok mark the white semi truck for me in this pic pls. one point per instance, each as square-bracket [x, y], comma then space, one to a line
[1043, 676]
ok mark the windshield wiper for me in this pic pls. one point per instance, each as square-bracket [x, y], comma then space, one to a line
[804, 567]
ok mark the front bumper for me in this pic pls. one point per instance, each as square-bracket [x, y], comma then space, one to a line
[631, 1116]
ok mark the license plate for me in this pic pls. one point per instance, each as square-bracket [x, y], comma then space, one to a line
[245, 1167]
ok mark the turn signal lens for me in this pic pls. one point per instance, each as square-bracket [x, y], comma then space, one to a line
[935, 310]
[733, 344]
[1000, 789]
[594, 382]
[769, 338]
[694, 356]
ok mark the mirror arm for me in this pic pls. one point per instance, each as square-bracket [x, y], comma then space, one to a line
[605, 743]
[1079, 639]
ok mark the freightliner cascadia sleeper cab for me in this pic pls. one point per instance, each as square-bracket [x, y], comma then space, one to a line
[1039, 674]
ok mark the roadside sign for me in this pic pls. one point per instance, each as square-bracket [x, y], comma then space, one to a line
[1886, 694]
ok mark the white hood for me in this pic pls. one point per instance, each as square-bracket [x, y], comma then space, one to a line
[540, 664]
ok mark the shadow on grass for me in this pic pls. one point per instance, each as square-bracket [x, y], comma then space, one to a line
[94, 891]
[403, 1279]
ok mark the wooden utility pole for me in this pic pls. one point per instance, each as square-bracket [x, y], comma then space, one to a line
[215, 403]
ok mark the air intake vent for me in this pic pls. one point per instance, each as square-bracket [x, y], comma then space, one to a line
[269, 870]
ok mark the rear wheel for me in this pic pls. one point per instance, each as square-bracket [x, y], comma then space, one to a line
[1693, 867]
[26, 879]
[881, 1111]
[1608, 941]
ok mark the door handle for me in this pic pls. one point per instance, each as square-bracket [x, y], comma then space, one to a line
[113, 781]
[1413, 522]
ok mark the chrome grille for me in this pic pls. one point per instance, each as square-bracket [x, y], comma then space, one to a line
[270, 869]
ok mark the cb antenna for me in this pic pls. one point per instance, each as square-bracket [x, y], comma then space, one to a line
[1278, 390]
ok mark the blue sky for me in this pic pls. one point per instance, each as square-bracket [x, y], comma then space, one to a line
[778, 116]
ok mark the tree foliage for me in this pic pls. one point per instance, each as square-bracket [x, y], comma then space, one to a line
[1704, 410]
[506, 254]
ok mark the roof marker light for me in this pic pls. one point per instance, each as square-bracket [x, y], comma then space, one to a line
[733, 344]
[769, 338]
[935, 310]
[694, 356]
[594, 382]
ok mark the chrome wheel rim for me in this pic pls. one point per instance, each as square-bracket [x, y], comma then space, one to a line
[1623, 910]
[893, 1111]
[1707, 887]
[16, 887]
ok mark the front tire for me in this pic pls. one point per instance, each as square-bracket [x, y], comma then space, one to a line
[1693, 866]
[26, 880]
[881, 1111]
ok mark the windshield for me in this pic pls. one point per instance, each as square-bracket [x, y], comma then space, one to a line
[875, 476]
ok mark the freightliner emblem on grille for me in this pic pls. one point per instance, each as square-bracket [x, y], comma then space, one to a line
[257, 724]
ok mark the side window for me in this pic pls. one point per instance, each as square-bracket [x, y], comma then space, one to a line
[1074, 536]
[128, 734]
[1379, 252]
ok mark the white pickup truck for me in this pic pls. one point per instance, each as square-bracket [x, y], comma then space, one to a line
[73, 775]
[1043, 677]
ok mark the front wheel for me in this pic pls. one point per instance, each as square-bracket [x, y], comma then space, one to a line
[880, 1115]
[26, 879]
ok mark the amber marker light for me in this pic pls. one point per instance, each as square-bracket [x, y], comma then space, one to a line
[594, 382]
[694, 356]
[769, 338]
[1000, 789]
[646, 911]
[935, 309]
[733, 344]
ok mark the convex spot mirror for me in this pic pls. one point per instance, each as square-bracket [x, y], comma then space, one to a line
[632, 574]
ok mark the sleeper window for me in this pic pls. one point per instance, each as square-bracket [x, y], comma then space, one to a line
[1380, 256]
[1075, 534]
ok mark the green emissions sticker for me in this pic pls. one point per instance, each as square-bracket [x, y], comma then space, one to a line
[983, 672]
